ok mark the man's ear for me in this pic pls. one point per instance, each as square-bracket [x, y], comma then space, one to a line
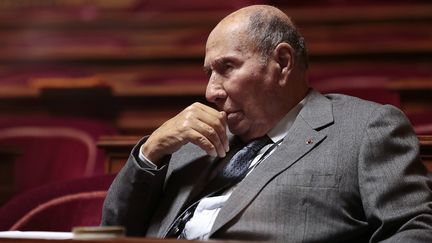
[284, 56]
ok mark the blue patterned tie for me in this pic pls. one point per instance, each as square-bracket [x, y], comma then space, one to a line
[238, 166]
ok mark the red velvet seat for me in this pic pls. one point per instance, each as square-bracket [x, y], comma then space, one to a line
[53, 149]
[57, 206]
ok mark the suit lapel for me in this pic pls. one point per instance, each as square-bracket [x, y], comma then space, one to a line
[301, 138]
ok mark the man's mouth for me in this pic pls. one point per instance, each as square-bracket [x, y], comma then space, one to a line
[234, 117]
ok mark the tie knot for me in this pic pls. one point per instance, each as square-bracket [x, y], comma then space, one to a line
[257, 144]
[238, 166]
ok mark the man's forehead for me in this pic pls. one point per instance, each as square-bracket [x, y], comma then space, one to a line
[218, 51]
[227, 34]
[227, 30]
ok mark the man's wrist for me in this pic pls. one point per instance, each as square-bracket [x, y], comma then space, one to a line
[146, 160]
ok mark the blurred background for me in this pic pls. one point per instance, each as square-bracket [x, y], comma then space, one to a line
[82, 80]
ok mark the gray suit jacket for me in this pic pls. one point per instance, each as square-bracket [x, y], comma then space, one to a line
[358, 179]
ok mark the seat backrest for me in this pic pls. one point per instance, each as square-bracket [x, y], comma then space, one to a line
[57, 206]
[64, 212]
[53, 149]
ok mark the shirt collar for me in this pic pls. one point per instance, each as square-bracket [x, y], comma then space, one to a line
[281, 129]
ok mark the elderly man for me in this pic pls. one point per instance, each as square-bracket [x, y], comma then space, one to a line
[295, 165]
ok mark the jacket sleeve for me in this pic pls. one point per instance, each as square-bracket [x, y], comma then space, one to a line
[394, 186]
[133, 195]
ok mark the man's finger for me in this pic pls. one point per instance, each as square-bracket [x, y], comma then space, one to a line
[212, 135]
[202, 142]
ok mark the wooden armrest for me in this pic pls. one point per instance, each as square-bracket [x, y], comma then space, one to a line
[426, 150]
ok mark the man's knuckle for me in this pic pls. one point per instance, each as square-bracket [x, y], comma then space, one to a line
[203, 141]
[209, 146]
[189, 109]
[211, 131]
[185, 125]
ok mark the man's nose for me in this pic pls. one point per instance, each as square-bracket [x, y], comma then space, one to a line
[215, 91]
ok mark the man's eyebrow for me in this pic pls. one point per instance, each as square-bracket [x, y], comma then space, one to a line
[224, 59]
[207, 70]
[218, 61]
[208, 67]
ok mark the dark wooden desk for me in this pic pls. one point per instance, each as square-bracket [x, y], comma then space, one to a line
[118, 148]
[116, 240]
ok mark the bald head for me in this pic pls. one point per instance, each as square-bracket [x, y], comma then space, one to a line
[254, 73]
[248, 11]
[265, 27]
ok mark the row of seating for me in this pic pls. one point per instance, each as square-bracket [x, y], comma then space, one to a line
[62, 205]
[54, 34]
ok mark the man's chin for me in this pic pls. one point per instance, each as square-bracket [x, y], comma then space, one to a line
[238, 130]
[246, 132]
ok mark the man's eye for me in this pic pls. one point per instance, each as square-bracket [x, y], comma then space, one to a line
[208, 72]
[227, 66]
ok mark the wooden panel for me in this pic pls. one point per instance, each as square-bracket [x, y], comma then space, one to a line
[133, 110]
[118, 149]
[415, 94]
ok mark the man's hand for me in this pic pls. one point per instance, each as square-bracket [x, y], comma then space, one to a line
[198, 124]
